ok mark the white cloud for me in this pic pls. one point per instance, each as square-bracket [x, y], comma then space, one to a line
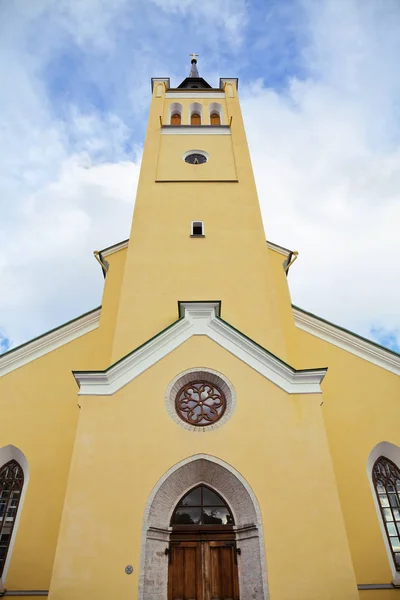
[228, 16]
[47, 266]
[327, 166]
[325, 152]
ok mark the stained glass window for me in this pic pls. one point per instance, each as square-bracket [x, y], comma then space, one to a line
[202, 506]
[386, 478]
[11, 483]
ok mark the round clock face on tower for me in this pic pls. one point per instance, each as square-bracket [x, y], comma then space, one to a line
[195, 158]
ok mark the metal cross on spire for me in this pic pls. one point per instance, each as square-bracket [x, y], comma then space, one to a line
[193, 71]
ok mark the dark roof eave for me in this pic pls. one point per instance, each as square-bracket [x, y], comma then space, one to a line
[199, 80]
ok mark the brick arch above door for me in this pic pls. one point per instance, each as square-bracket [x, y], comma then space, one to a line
[235, 490]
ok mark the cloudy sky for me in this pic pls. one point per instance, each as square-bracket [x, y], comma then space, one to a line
[320, 92]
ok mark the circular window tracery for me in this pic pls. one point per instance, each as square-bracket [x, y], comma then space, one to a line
[200, 403]
[222, 387]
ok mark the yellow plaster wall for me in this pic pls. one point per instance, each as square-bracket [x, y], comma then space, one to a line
[231, 263]
[379, 594]
[219, 167]
[281, 287]
[110, 302]
[127, 441]
[39, 414]
[361, 409]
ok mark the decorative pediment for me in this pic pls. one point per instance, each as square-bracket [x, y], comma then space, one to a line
[199, 318]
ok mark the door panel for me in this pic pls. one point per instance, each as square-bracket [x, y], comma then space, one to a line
[220, 572]
[203, 570]
[185, 571]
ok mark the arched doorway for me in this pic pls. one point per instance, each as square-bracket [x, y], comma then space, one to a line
[245, 530]
[202, 550]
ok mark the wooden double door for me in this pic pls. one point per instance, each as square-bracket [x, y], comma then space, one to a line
[203, 569]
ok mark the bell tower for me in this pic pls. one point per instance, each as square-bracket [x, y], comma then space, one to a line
[197, 232]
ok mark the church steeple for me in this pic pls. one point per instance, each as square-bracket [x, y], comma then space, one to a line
[194, 80]
[193, 71]
[197, 231]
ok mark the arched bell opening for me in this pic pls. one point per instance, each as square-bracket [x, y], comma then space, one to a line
[223, 534]
[195, 114]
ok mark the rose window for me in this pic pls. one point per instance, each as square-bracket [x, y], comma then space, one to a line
[200, 403]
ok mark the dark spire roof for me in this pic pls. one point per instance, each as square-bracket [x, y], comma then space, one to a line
[193, 70]
[194, 80]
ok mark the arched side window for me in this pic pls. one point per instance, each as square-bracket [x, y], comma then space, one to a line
[202, 506]
[386, 480]
[175, 113]
[11, 484]
[216, 114]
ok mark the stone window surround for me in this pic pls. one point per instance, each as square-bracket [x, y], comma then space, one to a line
[392, 452]
[235, 490]
[210, 376]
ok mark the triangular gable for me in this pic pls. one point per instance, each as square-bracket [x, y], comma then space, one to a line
[199, 318]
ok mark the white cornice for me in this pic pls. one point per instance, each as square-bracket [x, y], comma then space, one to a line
[284, 251]
[224, 80]
[347, 341]
[165, 80]
[195, 130]
[199, 318]
[195, 94]
[120, 246]
[49, 341]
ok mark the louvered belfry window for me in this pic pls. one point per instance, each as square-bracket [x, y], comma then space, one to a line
[386, 478]
[215, 119]
[176, 119]
[195, 119]
[11, 484]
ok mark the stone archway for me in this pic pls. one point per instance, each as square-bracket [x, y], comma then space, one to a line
[156, 530]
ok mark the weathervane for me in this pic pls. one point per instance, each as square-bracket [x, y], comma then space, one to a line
[193, 56]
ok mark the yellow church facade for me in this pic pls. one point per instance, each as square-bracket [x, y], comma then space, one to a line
[198, 437]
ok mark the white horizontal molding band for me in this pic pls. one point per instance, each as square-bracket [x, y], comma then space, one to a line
[49, 341]
[348, 341]
[114, 248]
[279, 249]
[195, 130]
[124, 244]
[195, 94]
[199, 318]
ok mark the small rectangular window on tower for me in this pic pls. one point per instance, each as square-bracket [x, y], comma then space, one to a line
[197, 229]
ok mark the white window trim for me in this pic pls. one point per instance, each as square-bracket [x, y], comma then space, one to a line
[196, 107]
[202, 234]
[174, 107]
[392, 452]
[216, 107]
[202, 152]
